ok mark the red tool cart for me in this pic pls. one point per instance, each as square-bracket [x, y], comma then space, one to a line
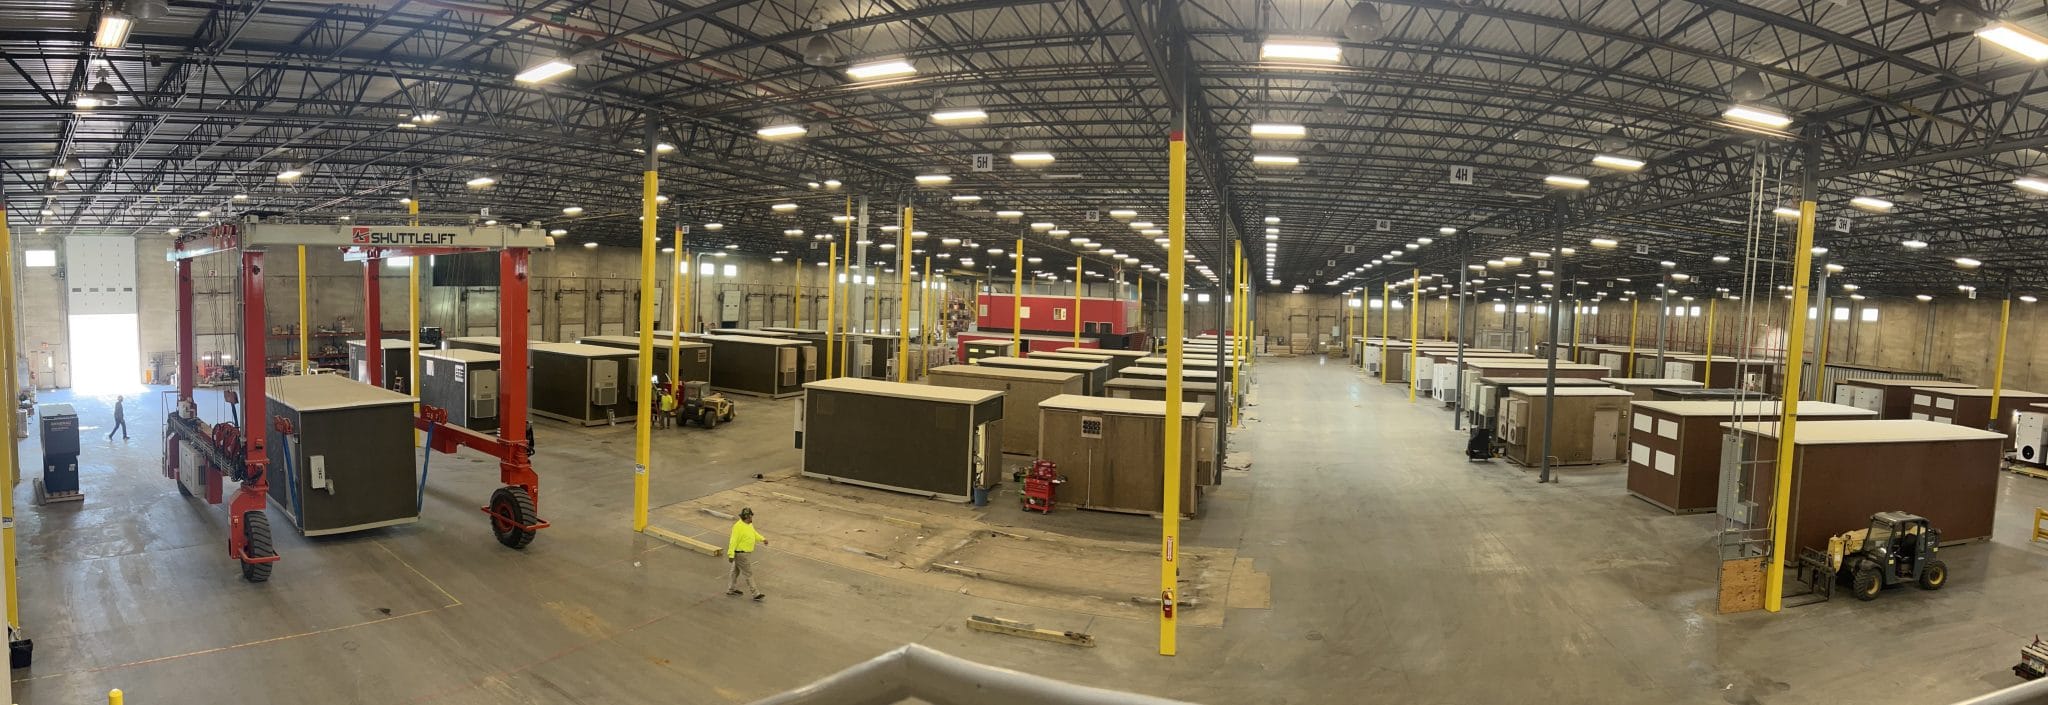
[198, 454]
[1040, 482]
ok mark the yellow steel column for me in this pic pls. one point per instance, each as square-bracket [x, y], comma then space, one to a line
[1017, 301]
[1386, 304]
[1826, 321]
[1707, 377]
[833, 341]
[412, 320]
[926, 321]
[1077, 300]
[1176, 325]
[903, 239]
[796, 288]
[1415, 328]
[846, 302]
[1631, 371]
[305, 337]
[1998, 368]
[10, 461]
[675, 309]
[1237, 294]
[1788, 421]
[643, 421]
[689, 312]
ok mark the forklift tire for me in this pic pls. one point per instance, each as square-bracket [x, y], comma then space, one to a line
[1865, 581]
[256, 544]
[707, 418]
[1933, 575]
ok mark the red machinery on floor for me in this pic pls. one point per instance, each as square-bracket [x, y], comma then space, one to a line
[197, 454]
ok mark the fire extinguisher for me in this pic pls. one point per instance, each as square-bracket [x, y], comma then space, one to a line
[1166, 604]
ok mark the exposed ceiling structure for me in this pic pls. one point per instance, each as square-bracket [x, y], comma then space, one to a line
[1369, 115]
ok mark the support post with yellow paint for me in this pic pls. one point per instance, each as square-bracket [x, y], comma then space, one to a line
[10, 461]
[1788, 421]
[1176, 330]
[675, 308]
[1998, 367]
[1707, 377]
[643, 384]
[1414, 329]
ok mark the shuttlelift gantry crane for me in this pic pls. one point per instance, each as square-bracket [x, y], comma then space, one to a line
[198, 455]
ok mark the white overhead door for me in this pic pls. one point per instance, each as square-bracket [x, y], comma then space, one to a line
[99, 273]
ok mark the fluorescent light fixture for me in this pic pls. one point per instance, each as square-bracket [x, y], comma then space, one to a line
[1270, 237]
[1617, 162]
[1122, 213]
[59, 171]
[1967, 263]
[933, 179]
[1272, 220]
[113, 31]
[203, 214]
[86, 101]
[782, 207]
[1915, 244]
[1721, 259]
[545, 71]
[1276, 159]
[959, 116]
[241, 197]
[1031, 158]
[1141, 224]
[2028, 298]
[1058, 232]
[966, 198]
[781, 132]
[1923, 297]
[1042, 227]
[480, 182]
[2031, 183]
[1754, 115]
[1871, 203]
[1009, 214]
[558, 232]
[1604, 242]
[2005, 34]
[1152, 231]
[1300, 50]
[573, 210]
[794, 232]
[590, 245]
[660, 198]
[714, 227]
[1424, 240]
[1278, 131]
[1564, 181]
[427, 118]
[880, 69]
[1785, 212]
[831, 184]
[290, 174]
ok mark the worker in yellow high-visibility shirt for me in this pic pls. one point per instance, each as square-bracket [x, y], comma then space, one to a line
[739, 550]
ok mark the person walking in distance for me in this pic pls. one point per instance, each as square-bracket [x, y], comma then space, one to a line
[120, 421]
[739, 550]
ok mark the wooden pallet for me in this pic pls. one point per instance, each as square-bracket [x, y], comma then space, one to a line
[998, 625]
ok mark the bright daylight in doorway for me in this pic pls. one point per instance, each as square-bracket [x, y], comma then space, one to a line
[103, 353]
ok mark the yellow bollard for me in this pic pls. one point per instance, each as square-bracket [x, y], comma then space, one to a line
[114, 697]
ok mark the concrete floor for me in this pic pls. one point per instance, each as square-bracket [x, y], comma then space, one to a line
[1398, 570]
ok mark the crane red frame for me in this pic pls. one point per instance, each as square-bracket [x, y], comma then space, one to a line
[513, 508]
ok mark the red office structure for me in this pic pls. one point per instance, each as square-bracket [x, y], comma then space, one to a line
[1113, 322]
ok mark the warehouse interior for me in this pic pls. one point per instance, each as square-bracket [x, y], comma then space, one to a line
[1155, 352]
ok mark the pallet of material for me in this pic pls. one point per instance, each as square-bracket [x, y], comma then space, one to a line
[1674, 452]
[1093, 374]
[1022, 391]
[1890, 398]
[940, 442]
[1845, 471]
[695, 359]
[1110, 452]
[1588, 425]
[1970, 406]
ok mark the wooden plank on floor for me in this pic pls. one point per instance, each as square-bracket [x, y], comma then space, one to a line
[684, 541]
[998, 625]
